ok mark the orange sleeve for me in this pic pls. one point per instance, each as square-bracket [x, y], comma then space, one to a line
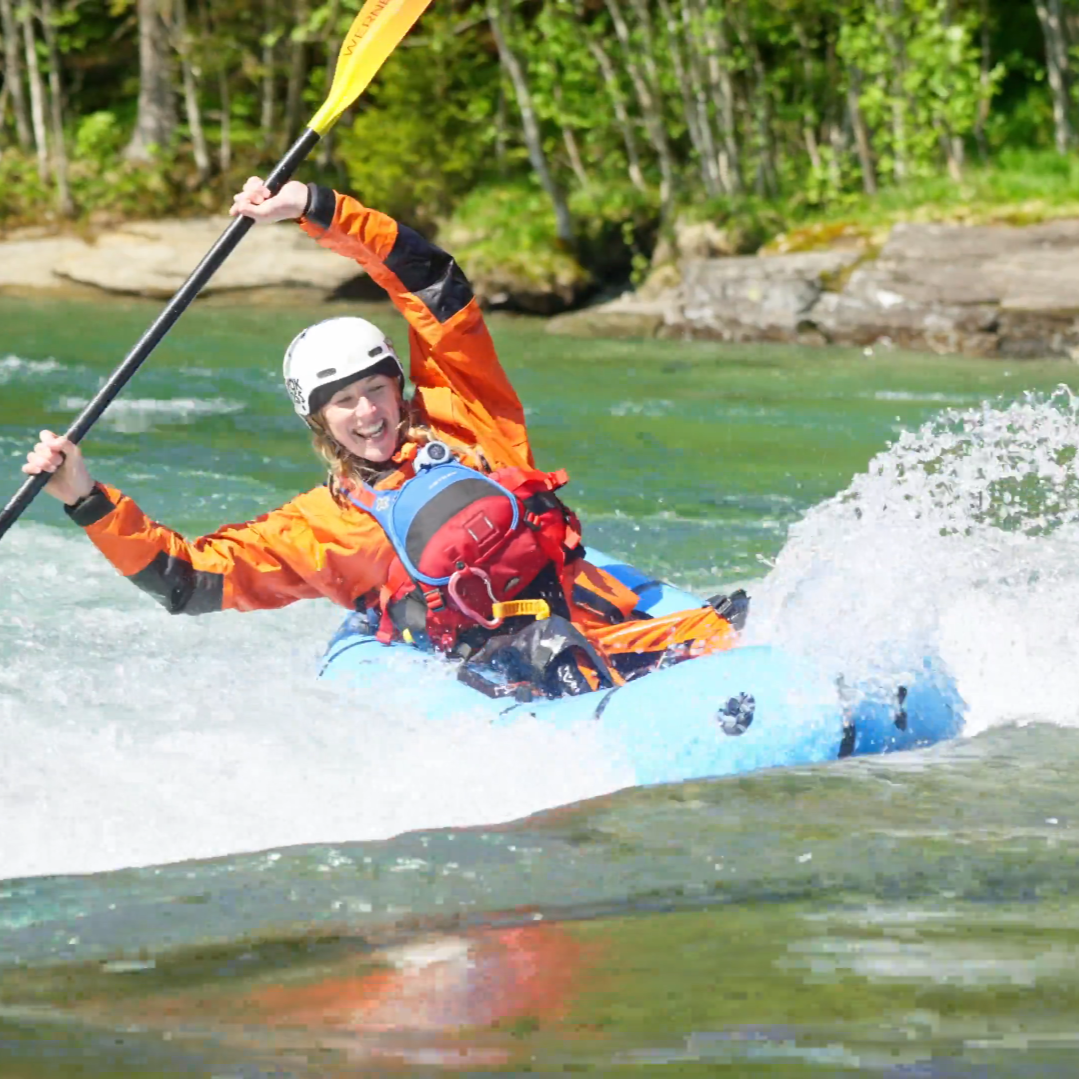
[296, 552]
[460, 384]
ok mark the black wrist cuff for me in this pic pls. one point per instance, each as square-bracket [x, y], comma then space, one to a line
[90, 508]
[321, 205]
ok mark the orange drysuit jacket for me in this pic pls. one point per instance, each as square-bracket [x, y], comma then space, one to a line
[313, 546]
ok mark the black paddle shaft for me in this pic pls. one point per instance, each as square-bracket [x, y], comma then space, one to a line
[202, 273]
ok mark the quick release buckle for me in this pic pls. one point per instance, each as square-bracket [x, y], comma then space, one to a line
[512, 608]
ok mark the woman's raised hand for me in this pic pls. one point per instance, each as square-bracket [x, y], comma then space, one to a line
[58, 455]
[256, 202]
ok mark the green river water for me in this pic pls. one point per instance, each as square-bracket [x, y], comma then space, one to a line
[211, 865]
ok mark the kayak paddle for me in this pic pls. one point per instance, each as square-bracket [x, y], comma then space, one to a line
[374, 34]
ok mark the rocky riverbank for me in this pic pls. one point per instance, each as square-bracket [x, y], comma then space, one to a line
[153, 258]
[979, 290]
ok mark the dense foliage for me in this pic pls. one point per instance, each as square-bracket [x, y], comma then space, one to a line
[597, 119]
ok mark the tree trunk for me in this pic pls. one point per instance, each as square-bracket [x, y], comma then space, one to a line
[1070, 16]
[56, 109]
[1056, 64]
[501, 129]
[836, 127]
[950, 143]
[13, 74]
[533, 140]
[839, 145]
[569, 136]
[697, 78]
[37, 94]
[297, 74]
[983, 82]
[809, 111]
[891, 9]
[156, 116]
[861, 138]
[614, 91]
[650, 110]
[199, 149]
[719, 75]
[224, 153]
[569, 140]
[954, 154]
[655, 85]
[267, 95]
[331, 43]
[268, 88]
[768, 169]
[5, 93]
[760, 105]
[700, 133]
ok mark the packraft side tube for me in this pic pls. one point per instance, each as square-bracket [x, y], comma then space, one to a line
[737, 711]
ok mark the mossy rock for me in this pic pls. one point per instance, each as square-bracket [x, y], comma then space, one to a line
[506, 241]
[822, 236]
[596, 322]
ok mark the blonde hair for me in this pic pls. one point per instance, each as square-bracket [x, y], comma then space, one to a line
[348, 470]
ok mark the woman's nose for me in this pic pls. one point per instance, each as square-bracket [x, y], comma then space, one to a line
[365, 407]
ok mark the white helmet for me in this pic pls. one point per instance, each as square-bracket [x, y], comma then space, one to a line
[333, 353]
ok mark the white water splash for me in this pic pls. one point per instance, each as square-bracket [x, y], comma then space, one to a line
[960, 542]
[908, 396]
[129, 737]
[133, 416]
[14, 368]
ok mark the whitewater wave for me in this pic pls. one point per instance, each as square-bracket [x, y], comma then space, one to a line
[132, 738]
[651, 408]
[915, 396]
[961, 541]
[15, 368]
[128, 737]
[140, 414]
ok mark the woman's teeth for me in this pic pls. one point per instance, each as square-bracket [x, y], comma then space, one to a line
[372, 432]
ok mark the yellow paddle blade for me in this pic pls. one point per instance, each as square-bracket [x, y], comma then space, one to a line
[373, 35]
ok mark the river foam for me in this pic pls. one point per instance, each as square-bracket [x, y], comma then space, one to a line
[961, 541]
[129, 737]
[132, 738]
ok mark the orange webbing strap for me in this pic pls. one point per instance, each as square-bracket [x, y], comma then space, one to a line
[592, 676]
[592, 581]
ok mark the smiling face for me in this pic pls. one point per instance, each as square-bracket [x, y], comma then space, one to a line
[363, 417]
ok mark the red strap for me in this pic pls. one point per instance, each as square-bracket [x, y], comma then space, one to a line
[385, 632]
[514, 478]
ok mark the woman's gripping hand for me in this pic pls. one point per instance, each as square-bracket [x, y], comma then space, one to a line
[54, 453]
[256, 201]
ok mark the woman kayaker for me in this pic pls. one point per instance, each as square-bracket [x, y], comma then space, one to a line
[504, 564]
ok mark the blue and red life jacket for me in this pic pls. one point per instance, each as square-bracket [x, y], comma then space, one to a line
[473, 550]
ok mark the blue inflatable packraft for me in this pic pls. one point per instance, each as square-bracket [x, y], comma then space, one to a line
[751, 707]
